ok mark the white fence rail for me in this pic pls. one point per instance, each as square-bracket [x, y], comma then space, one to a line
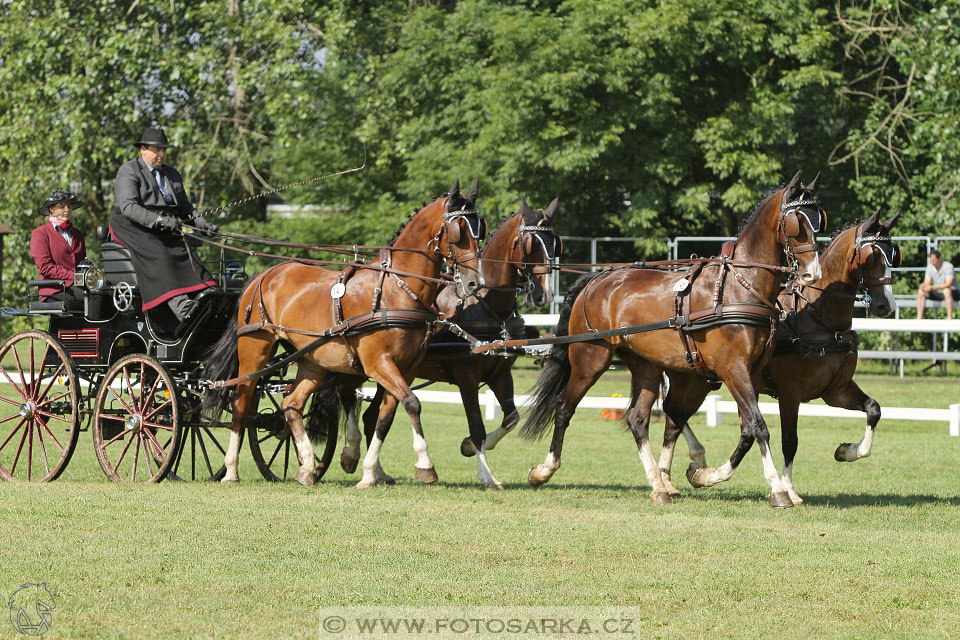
[713, 406]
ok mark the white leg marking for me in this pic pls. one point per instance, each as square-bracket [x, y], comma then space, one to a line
[650, 467]
[420, 447]
[484, 472]
[770, 472]
[787, 480]
[231, 458]
[371, 463]
[866, 445]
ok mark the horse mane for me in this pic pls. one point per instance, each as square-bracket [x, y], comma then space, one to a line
[500, 224]
[759, 205]
[836, 233]
[416, 210]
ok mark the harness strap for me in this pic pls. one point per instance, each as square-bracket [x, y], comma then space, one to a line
[382, 319]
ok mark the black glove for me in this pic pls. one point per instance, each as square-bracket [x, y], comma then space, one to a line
[168, 223]
[201, 223]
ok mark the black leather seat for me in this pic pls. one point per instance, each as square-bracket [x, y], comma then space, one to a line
[115, 258]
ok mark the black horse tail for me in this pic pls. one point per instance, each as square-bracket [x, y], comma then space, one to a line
[330, 405]
[549, 388]
[221, 362]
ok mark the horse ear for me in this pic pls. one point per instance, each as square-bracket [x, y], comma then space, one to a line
[529, 215]
[815, 184]
[551, 210]
[474, 190]
[886, 224]
[793, 188]
[872, 220]
[455, 188]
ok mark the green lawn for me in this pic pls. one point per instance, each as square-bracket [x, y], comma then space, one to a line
[872, 553]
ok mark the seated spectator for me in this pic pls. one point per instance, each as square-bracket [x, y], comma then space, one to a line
[939, 283]
[57, 246]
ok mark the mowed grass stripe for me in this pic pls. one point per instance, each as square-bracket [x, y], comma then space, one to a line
[871, 554]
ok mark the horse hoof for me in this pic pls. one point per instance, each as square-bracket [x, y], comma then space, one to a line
[846, 452]
[780, 500]
[229, 480]
[307, 478]
[348, 464]
[467, 449]
[425, 476]
[496, 486]
[661, 497]
[693, 473]
[535, 478]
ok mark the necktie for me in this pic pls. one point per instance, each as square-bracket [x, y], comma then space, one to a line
[167, 196]
[65, 226]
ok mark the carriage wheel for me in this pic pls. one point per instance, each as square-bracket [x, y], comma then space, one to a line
[271, 443]
[39, 407]
[203, 445]
[136, 420]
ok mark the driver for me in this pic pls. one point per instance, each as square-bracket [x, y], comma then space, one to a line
[150, 203]
[58, 247]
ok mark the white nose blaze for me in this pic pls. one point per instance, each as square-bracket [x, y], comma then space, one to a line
[812, 271]
[888, 291]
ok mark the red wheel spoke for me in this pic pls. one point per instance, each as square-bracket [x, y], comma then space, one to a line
[146, 455]
[157, 425]
[158, 451]
[62, 395]
[43, 449]
[157, 409]
[38, 375]
[133, 398]
[153, 391]
[53, 379]
[136, 457]
[12, 416]
[120, 400]
[50, 433]
[53, 415]
[16, 458]
[126, 447]
[30, 452]
[14, 384]
[33, 380]
[122, 433]
[14, 432]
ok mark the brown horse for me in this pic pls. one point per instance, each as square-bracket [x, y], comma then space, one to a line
[388, 308]
[520, 249]
[719, 329]
[816, 351]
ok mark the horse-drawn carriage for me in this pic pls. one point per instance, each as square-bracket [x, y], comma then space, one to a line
[105, 365]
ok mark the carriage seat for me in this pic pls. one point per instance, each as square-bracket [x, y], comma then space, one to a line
[115, 258]
[58, 306]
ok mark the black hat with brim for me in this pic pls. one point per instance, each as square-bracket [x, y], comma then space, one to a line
[57, 197]
[154, 137]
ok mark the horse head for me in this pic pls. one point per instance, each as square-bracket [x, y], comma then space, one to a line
[800, 219]
[535, 247]
[459, 237]
[873, 258]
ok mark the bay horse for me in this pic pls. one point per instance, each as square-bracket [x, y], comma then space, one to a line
[816, 350]
[519, 250]
[655, 320]
[376, 317]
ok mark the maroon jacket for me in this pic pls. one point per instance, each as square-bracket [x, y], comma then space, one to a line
[56, 260]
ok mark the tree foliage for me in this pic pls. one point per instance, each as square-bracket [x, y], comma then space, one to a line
[647, 118]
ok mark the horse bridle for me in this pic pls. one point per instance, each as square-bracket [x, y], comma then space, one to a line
[789, 226]
[526, 236]
[453, 222]
[866, 248]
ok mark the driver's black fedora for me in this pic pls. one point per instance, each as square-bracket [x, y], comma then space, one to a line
[154, 137]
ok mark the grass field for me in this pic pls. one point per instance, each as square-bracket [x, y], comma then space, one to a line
[872, 553]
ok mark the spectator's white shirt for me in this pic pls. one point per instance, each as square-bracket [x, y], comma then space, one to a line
[939, 276]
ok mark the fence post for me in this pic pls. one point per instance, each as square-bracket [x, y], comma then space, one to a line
[955, 420]
[714, 417]
[490, 405]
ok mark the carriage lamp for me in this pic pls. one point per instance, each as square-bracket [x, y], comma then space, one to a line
[88, 276]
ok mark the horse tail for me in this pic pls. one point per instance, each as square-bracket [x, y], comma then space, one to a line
[221, 363]
[329, 409]
[548, 390]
